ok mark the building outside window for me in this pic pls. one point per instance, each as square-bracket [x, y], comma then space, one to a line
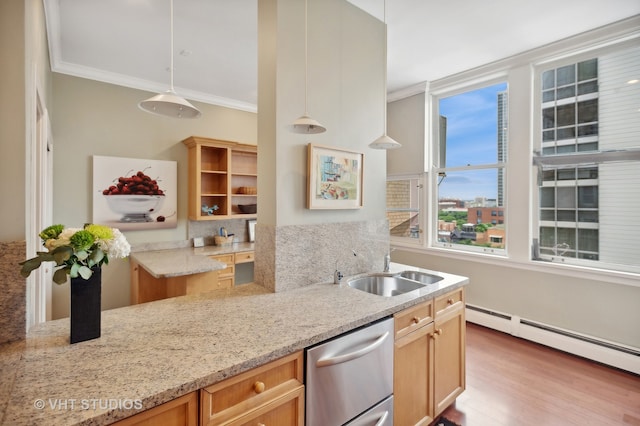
[403, 208]
[588, 160]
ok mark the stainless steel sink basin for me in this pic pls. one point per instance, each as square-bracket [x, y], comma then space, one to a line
[384, 285]
[422, 277]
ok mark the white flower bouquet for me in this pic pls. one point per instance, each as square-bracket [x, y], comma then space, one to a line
[77, 251]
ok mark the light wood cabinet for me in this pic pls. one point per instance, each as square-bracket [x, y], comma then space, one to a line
[413, 364]
[226, 276]
[429, 358]
[449, 349]
[272, 394]
[182, 411]
[221, 173]
[147, 288]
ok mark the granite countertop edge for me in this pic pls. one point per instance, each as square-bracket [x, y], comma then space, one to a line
[176, 262]
[158, 351]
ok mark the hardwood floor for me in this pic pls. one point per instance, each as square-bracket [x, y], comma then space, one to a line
[514, 382]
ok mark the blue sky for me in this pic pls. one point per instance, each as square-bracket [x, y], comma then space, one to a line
[471, 139]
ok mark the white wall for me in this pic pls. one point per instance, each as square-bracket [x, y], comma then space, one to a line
[92, 118]
[345, 94]
[406, 122]
[12, 116]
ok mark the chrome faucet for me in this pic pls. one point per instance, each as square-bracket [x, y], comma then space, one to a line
[387, 260]
[337, 275]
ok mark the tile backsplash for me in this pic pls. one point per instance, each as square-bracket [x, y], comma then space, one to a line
[208, 228]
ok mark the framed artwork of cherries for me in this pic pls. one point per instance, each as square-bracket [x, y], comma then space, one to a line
[134, 194]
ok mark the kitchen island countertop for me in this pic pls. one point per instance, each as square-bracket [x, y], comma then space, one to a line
[151, 353]
[186, 261]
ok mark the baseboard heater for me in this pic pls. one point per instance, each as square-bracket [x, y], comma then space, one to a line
[619, 356]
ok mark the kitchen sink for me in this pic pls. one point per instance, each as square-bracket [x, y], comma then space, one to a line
[421, 277]
[384, 285]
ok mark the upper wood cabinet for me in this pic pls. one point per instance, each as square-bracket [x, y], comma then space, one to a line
[223, 174]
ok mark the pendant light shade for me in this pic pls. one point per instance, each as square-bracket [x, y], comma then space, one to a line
[169, 104]
[385, 141]
[306, 124]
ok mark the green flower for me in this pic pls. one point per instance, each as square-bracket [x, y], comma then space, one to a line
[100, 232]
[82, 240]
[76, 252]
[51, 232]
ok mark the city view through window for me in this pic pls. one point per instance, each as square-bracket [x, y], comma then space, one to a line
[473, 144]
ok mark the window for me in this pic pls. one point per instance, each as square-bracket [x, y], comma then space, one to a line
[588, 153]
[472, 135]
[570, 124]
[403, 208]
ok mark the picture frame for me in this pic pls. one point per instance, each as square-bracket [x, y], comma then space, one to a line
[149, 204]
[334, 177]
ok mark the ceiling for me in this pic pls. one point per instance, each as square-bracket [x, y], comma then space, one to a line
[126, 42]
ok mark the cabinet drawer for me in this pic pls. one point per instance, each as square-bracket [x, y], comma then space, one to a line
[449, 302]
[240, 395]
[413, 318]
[288, 410]
[244, 257]
[227, 259]
[182, 411]
[225, 282]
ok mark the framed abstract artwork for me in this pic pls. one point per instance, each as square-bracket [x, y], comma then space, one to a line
[334, 178]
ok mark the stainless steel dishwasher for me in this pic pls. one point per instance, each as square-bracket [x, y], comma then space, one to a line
[349, 379]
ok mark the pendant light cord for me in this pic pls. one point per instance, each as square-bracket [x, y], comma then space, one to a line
[171, 44]
[306, 66]
[384, 19]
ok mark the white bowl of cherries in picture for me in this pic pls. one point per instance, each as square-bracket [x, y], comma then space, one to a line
[136, 198]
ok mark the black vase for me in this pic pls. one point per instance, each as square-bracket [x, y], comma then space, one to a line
[85, 307]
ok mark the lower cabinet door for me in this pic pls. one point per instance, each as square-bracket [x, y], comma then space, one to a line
[449, 355]
[412, 382]
[287, 410]
[182, 411]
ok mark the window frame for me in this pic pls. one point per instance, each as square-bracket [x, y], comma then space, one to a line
[437, 93]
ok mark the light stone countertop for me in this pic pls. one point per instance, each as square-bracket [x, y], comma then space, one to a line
[154, 352]
[186, 261]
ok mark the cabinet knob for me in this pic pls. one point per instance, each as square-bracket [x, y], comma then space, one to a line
[415, 320]
[450, 301]
[435, 334]
[258, 387]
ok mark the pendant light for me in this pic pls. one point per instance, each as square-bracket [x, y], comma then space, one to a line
[169, 103]
[306, 124]
[385, 141]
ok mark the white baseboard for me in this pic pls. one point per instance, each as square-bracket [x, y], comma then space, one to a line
[609, 353]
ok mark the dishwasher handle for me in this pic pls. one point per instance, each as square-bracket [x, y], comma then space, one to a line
[333, 360]
[383, 419]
